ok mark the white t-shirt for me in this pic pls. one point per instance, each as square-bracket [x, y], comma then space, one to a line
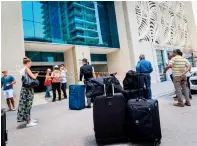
[170, 69]
[63, 75]
[22, 71]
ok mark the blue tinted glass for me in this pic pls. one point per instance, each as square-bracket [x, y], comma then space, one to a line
[27, 11]
[39, 30]
[38, 9]
[58, 57]
[54, 14]
[34, 56]
[98, 57]
[28, 29]
[47, 57]
[71, 22]
[56, 32]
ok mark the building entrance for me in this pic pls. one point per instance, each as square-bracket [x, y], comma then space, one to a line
[41, 77]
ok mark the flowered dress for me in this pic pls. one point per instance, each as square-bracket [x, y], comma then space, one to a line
[25, 103]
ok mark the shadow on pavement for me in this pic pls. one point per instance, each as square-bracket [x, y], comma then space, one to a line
[21, 126]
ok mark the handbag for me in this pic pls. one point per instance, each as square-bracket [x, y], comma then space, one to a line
[47, 83]
[27, 81]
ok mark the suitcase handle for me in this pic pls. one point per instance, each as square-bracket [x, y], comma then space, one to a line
[112, 91]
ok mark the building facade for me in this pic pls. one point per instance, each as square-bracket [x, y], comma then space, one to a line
[111, 35]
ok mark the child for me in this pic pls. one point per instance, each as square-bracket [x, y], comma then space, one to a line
[7, 82]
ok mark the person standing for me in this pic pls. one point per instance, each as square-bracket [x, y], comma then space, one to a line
[26, 97]
[7, 82]
[63, 80]
[56, 83]
[47, 83]
[144, 66]
[170, 56]
[188, 75]
[86, 71]
[178, 65]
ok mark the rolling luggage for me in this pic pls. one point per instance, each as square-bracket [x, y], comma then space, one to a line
[76, 97]
[133, 94]
[109, 117]
[3, 128]
[143, 121]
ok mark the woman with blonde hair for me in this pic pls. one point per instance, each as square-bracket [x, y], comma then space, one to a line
[26, 96]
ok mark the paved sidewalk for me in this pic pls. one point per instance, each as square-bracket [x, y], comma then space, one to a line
[59, 126]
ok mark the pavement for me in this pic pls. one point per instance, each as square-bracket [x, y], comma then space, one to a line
[59, 126]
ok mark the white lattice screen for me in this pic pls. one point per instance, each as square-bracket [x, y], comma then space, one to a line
[162, 22]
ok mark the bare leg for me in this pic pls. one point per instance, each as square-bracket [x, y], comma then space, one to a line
[12, 101]
[8, 103]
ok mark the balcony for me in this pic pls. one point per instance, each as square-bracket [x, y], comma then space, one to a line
[82, 21]
[83, 29]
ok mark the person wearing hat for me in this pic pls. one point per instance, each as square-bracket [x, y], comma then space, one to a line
[7, 82]
[56, 83]
[47, 83]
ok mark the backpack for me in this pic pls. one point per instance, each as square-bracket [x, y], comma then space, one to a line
[134, 80]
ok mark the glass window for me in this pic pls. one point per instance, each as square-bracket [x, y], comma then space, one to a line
[38, 10]
[34, 56]
[98, 57]
[161, 64]
[27, 10]
[28, 28]
[56, 32]
[47, 57]
[54, 13]
[46, 21]
[58, 57]
[40, 30]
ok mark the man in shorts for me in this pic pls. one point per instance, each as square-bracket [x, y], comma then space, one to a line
[7, 82]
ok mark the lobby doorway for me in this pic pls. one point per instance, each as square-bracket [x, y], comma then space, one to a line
[41, 77]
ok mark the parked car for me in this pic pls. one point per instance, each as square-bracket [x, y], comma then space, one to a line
[193, 80]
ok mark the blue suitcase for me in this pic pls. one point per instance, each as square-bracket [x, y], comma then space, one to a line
[76, 97]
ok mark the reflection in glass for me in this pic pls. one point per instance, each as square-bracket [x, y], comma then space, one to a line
[37, 11]
[27, 9]
[161, 64]
[34, 56]
[71, 22]
[28, 28]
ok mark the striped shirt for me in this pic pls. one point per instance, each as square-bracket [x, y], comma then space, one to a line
[178, 65]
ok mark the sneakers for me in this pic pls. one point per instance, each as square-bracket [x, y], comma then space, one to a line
[179, 104]
[34, 120]
[31, 124]
[13, 109]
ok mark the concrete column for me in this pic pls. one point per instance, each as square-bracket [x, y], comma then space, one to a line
[73, 61]
[121, 61]
[80, 52]
[70, 66]
[12, 42]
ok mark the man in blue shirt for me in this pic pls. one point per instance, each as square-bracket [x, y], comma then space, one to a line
[7, 82]
[144, 66]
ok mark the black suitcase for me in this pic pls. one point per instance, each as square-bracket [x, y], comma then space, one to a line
[133, 94]
[143, 121]
[3, 128]
[109, 118]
